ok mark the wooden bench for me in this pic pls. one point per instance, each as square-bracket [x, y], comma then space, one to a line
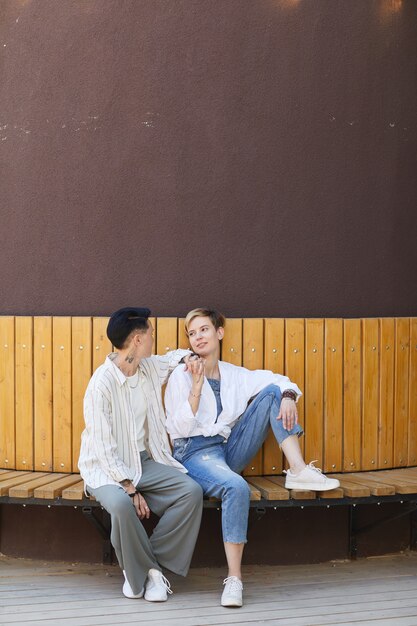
[359, 408]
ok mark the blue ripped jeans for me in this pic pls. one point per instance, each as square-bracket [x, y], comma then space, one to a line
[216, 464]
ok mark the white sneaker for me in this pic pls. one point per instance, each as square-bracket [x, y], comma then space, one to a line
[157, 587]
[232, 592]
[310, 478]
[128, 591]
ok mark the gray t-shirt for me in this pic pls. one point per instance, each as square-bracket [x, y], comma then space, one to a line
[215, 385]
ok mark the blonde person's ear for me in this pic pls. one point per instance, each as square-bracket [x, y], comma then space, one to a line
[220, 333]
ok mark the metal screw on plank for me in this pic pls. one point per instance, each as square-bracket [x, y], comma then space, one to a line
[23, 345]
[333, 349]
[253, 350]
[302, 507]
[97, 347]
[23, 462]
[373, 462]
[232, 349]
[314, 350]
[274, 350]
[352, 464]
[6, 460]
[333, 465]
[386, 347]
[61, 347]
[385, 461]
[43, 346]
[352, 349]
[81, 347]
[166, 348]
[6, 345]
[43, 464]
[328, 506]
[273, 467]
[24, 506]
[296, 350]
[49, 506]
[252, 468]
[62, 465]
[373, 347]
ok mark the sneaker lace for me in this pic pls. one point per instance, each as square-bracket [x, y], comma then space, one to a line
[313, 467]
[160, 579]
[233, 583]
[166, 584]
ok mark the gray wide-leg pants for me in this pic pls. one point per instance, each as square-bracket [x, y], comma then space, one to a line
[176, 499]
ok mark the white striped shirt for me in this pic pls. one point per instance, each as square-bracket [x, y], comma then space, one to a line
[109, 451]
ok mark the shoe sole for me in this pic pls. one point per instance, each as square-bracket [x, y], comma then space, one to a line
[311, 487]
[231, 605]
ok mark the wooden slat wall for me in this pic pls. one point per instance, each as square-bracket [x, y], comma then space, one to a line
[359, 408]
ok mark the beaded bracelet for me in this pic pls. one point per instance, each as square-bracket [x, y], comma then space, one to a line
[288, 393]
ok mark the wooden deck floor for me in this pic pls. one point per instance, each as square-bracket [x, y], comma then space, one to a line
[368, 592]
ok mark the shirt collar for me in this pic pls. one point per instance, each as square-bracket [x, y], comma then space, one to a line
[117, 372]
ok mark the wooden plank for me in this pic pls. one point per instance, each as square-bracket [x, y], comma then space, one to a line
[62, 394]
[313, 390]
[166, 334]
[295, 494]
[232, 341]
[101, 345]
[351, 489]
[402, 350]
[386, 393]
[75, 491]
[370, 394]
[400, 485]
[352, 400]
[255, 494]
[81, 373]
[269, 490]
[412, 395]
[294, 362]
[54, 489]
[253, 358]
[26, 489]
[274, 361]
[182, 335]
[399, 478]
[42, 367]
[333, 394]
[24, 393]
[17, 479]
[7, 397]
[377, 486]
[331, 494]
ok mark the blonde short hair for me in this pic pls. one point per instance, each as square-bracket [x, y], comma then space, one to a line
[217, 319]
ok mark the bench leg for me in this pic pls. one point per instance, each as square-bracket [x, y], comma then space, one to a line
[103, 527]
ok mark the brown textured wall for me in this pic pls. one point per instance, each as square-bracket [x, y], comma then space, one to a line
[257, 156]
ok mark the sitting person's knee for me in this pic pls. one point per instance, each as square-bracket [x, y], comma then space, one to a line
[238, 486]
[271, 390]
[195, 491]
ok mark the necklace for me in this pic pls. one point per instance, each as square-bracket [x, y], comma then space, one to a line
[137, 381]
